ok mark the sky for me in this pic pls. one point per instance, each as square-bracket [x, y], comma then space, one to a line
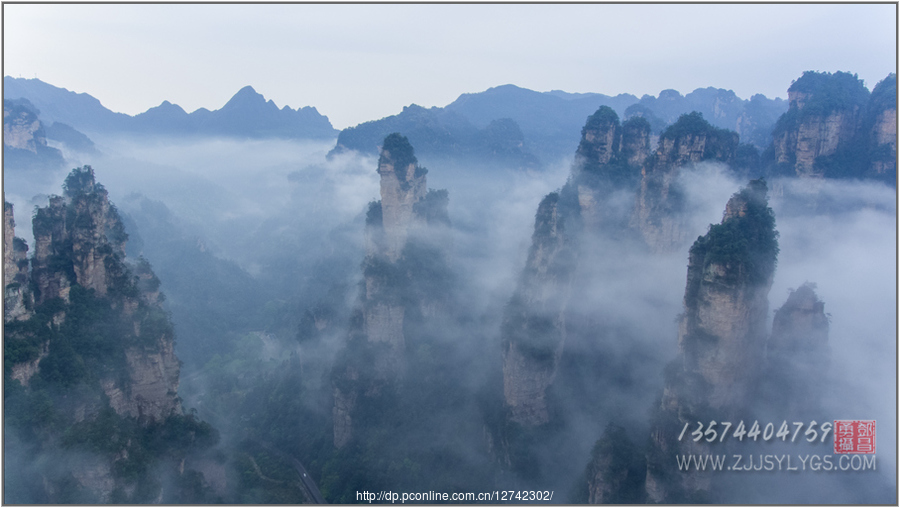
[360, 62]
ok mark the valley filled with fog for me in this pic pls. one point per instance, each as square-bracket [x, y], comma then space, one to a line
[267, 251]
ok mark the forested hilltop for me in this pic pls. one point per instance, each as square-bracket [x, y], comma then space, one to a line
[431, 302]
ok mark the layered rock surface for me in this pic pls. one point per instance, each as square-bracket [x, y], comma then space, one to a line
[835, 128]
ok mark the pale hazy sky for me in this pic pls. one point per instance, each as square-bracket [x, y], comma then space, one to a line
[363, 62]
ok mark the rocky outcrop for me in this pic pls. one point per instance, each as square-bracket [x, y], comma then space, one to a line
[752, 119]
[9, 232]
[21, 128]
[50, 235]
[635, 147]
[342, 413]
[721, 338]
[534, 323]
[798, 354]
[608, 160]
[96, 476]
[881, 128]
[615, 472]
[17, 302]
[818, 135]
[150, 392]
[400, 242]
[23, 371]
[80, 240]
[402, 185]
[25, 139]
[658, 213]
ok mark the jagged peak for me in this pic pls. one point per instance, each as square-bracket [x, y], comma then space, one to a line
[245, 96]
[670, 95]
[604, 118]
[165, 107]
[756, 194]
[636, 122]
[824, 92]
[691, 123]
[804, 297]
[81, 181]
[884, 95]
[746, 241]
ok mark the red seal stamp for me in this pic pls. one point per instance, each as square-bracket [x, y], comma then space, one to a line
[854, 436]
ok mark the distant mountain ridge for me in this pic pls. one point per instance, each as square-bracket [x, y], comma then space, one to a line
[246, 115]
[550, 122]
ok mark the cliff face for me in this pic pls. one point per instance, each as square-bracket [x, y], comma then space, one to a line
[835, 128]
[17, 302]
[815, 136]
[79, 239]
[400, 242]
[721, 337]
[660, 202]
[149, 393]
[50, 235]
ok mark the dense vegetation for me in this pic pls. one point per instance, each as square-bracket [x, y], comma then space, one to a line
[747, 243]
[830, 92]
[858, 153]
[433, 207]
[401, 152]
[884, 95]
[823, 93]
